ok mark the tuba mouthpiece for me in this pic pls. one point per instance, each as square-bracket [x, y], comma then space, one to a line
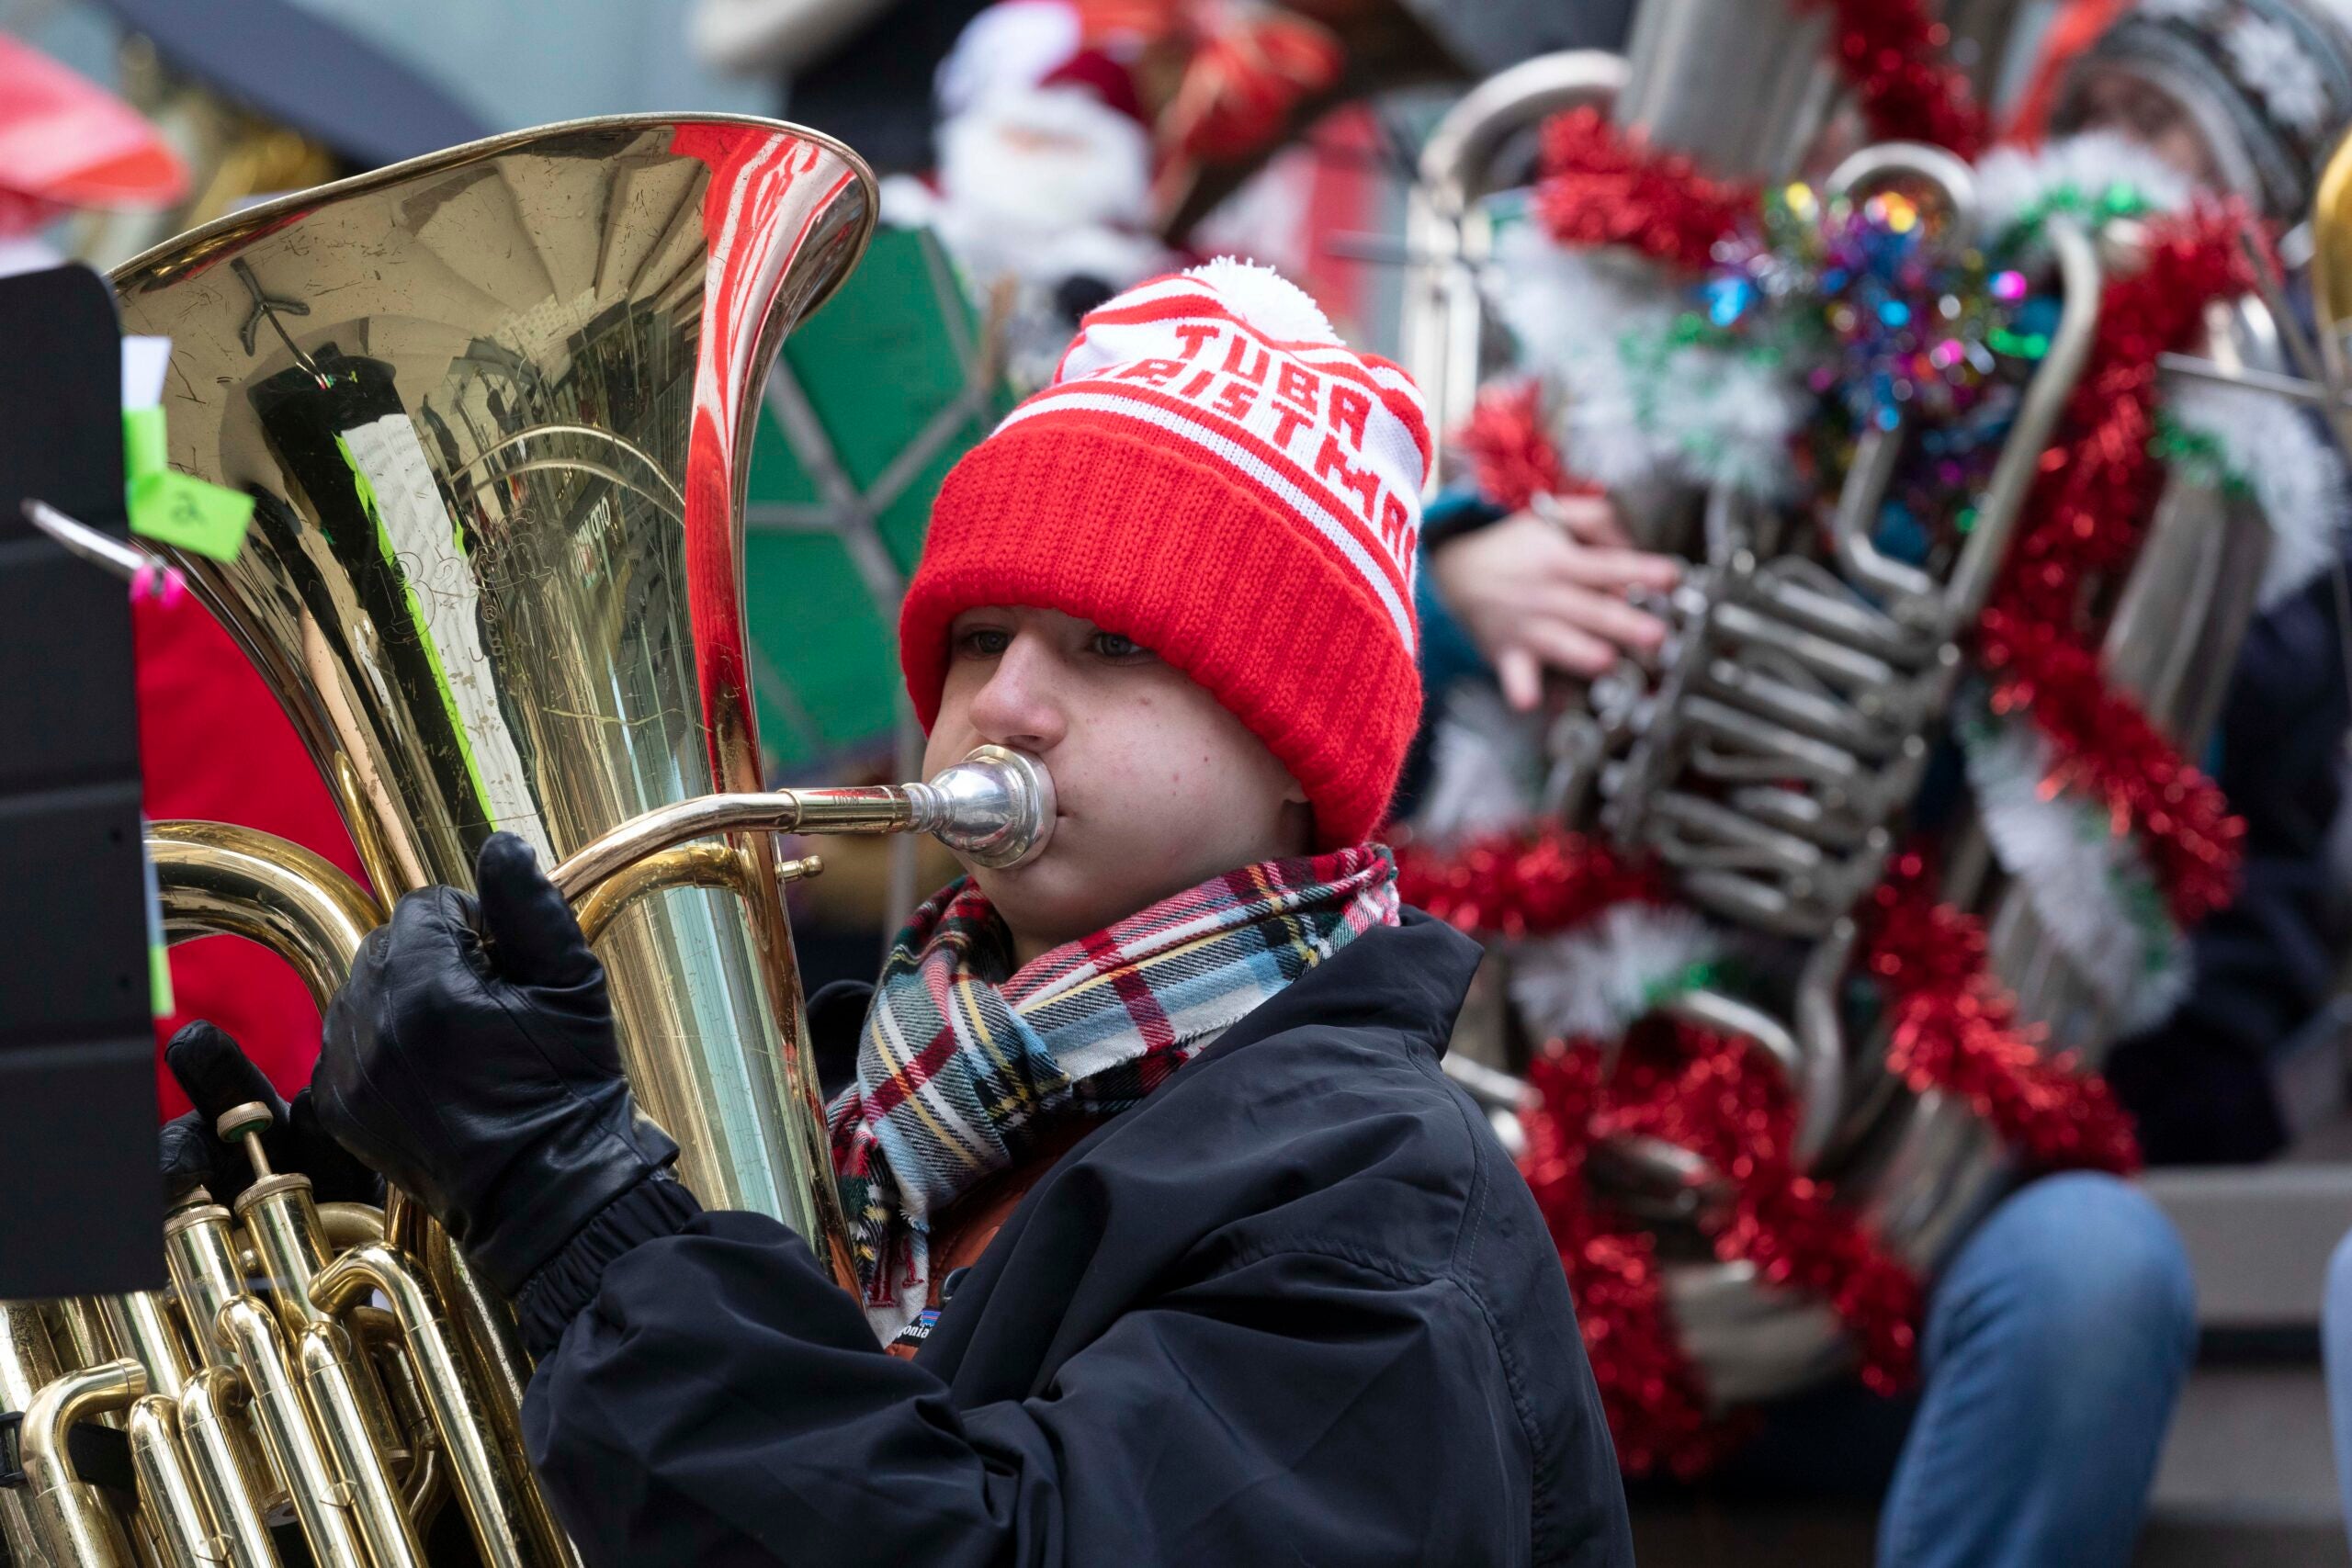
[995, 808]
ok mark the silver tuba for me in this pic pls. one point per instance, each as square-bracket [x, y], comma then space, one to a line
[1771, 761]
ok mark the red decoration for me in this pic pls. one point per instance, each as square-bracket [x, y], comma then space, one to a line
[1510, 454]
[1243, 83]
[1956, 1030]
[1532, 883]
[2106, 746]
[1726, 1101]
[1714, 1094]
[1952, 1028]
[66, 144]
[2084, 518]
[1891, 52]
[1656, 1409]
[1599, 187]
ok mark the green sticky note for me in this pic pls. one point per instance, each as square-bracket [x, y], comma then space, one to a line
[174, 508]
[159, 951]
[142, 445]
[159, 981]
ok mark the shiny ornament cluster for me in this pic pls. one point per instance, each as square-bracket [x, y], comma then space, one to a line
[1872, 302]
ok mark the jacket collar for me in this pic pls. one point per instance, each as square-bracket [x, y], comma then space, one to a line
[1407, 979]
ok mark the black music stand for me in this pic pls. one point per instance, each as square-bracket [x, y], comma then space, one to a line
[81, 1204]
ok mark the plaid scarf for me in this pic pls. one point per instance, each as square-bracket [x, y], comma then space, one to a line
[964, 1063]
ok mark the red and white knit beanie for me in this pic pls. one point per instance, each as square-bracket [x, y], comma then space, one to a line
[1213, 474]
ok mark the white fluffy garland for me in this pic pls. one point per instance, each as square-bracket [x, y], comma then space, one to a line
[1597, 981]
[2295, 473]
[1485, 762]
[2080, 879]
[2013, 181]
[1634, 407]
[1593, 982]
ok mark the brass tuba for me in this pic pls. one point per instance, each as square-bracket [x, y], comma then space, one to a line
[495, 407]
[1770, 763]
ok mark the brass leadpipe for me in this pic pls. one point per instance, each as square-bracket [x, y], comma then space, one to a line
[995, 808]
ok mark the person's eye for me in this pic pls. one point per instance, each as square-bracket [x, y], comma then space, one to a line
[1111, 644]
[982, 642]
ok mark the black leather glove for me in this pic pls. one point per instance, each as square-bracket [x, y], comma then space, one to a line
[470, 1058]
[216, 1075]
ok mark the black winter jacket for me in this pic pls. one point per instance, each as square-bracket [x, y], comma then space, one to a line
[1295, 1307]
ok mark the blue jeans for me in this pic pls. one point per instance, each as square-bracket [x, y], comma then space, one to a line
[2335, 1350]
[2056, 1343]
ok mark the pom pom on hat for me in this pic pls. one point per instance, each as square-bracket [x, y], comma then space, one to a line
[1213, 473]
[1266, 299]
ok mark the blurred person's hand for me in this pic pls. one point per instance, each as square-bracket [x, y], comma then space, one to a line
[1536, 592]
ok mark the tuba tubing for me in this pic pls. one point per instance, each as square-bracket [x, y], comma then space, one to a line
[290, 1359]
[1918, 1169]
[68, 1512]
[496, 408]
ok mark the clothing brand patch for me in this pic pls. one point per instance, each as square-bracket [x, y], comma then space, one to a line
[915, 1333]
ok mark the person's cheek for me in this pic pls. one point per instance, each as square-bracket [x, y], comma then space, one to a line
[946, 744]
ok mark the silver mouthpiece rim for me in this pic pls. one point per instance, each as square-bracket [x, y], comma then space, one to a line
[995, 808]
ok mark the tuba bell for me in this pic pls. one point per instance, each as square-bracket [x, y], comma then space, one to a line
[1768, 765]
[496, 408]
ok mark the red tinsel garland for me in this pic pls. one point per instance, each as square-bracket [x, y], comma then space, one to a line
[1599, 187]
[2086, 516]
[1719, 1097]
[2104, 747]
[1891, 52]
[1510, 458]
[1710, 1093]
[1657, 1411]
[1955, 1030]
[1530, 883]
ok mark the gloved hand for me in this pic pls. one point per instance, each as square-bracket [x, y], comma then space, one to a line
[216, 1075]
[470, 1058]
